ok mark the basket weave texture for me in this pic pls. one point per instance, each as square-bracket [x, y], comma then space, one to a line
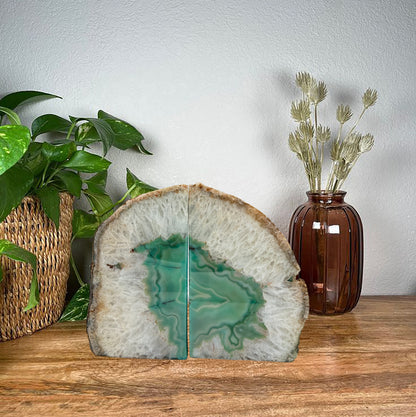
[29, 227]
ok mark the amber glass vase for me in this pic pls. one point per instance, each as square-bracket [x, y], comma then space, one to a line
[326, 236]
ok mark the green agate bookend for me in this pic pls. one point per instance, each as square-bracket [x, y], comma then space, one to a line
[194, 250]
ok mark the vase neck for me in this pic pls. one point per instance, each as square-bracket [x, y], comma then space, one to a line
[324, 197]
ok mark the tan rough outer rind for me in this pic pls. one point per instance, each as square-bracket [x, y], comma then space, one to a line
[93, 307]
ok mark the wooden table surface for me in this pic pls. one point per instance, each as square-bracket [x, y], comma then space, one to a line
[359, 364]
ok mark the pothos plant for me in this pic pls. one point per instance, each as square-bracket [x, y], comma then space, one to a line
[309, 139]
[61, 163]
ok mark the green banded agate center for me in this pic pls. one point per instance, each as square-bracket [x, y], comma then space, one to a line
[223, 304]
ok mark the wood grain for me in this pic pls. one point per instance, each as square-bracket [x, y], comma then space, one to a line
[359, 364]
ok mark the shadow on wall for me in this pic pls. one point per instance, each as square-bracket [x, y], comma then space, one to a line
[289, 182]
[387, 219]
[82, 253]
[379, 175]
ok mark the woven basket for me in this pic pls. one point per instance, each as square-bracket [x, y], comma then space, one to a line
[29, 227]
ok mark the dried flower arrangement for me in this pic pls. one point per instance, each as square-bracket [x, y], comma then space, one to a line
[308, 140]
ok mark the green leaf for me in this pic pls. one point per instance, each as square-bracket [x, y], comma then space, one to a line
[14, 185]
[58, 153]
[139, 187]
[72, 182]
[14, 141]
[49, 198]
[87, 162]
[33, 294]
[13, 117]
[101, 204]
[50, 123]
[97, 183]
[84, 225]
[34, 159]
[16, 253]
[104, 131]
[86, 134]
[126, 136]
[60, 141]
[77, 308]
[13, 100]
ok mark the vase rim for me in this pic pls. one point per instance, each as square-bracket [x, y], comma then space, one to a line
[326, 193]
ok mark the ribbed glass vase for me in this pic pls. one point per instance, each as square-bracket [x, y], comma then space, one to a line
[326, 236]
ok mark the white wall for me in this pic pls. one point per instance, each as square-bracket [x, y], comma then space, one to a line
[209, 83]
